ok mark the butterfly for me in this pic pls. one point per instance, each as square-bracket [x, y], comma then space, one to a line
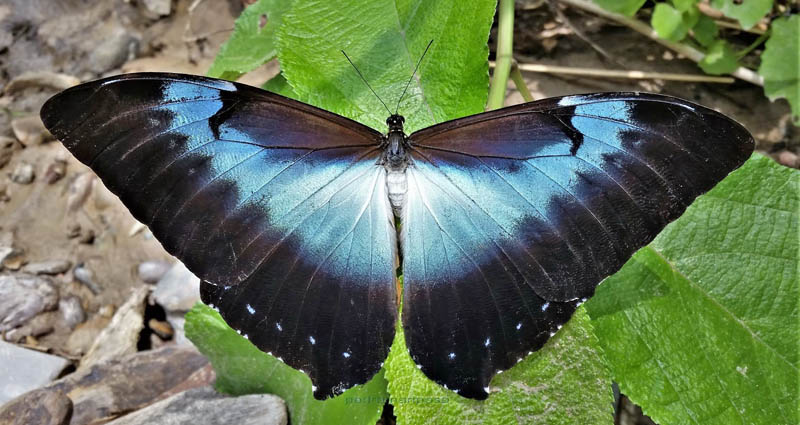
[297, 220]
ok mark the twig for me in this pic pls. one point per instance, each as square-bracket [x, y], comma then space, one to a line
[612, 73]
[693, 54]
[503, 54]
[520, 82]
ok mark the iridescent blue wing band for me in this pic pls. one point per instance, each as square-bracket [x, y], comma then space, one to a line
[279, 207]
[515, 216]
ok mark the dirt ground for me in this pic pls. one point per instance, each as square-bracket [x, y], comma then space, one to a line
[77, 219]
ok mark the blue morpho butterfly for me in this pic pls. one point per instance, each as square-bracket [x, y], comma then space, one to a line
[509, 218]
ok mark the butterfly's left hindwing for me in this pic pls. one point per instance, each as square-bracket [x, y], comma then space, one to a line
[514, 216]
[280, 208]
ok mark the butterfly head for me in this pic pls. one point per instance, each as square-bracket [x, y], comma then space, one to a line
[395, 123]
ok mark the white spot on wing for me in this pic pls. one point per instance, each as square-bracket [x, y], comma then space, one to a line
[545, 305]
[519, 325]
[487, 342]
[312, 340]
[250, 309]
[451, 356]
[278, 325]
[486, 389]
[346, 355]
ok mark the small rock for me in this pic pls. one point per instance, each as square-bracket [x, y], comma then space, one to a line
[79, 190]
[52, 267]
[178, 290]
[23, 296]
[153, 271]
[209, 407]
[23, 174]
[85, 334]
[114, 50]
[162, 329]
[122, 333]
[86, 277]
[158, 8]
[41, 407]
[4, 195]
[24, 370]
[13, 260]
[41, 324]
[7, 148]
[55, 171]
[30, 130]
[788, 159]
[41, 79]
[71, 311]
[10, 256]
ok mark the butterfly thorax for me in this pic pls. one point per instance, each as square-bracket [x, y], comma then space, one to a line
[395, 160]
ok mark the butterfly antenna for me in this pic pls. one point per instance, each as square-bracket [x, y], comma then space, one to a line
[365, 82]
[412, 77]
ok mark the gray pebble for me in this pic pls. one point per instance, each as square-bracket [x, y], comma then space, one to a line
[23, 174]
[153, 271]
[23, 296]
[71, 311]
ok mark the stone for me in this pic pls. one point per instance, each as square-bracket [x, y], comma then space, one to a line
[178, 323]
[85, 334]
[86, 277]
[39, 325]
[71, 310]
[121, 335]
[22, 370]
[40, 407]
[55, 171]
[23, 173]
[108, 390]
[51, 267]
[788, 159]
[23, 296]
[30, 130]
[40, 79]
[204, 405]
[152, 271]
[178, 290]
[158, 8]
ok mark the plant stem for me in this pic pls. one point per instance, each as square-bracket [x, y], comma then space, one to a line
[503, 54]
[756, 43]
[520, 82]
[614, 73]
[695, 55]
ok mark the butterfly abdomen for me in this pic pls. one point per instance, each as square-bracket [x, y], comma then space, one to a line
[396, 187]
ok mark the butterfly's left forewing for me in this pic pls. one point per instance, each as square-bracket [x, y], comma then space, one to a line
[280, 208]
[514, 216]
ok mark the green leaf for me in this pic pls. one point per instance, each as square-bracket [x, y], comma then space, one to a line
[701, 326]
[385, 39]
[243, 369]
[252, 41]
[780, 63]
[747, 12]
[705, 30]
[668, 22]
[565, 382]
[719, 59]
[684, 5]
[279, 85]
[624, 7]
